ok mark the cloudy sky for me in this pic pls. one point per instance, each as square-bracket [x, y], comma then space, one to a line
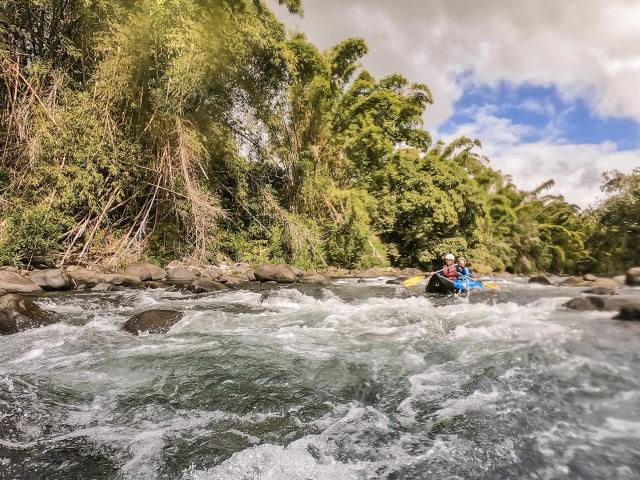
[551, 88]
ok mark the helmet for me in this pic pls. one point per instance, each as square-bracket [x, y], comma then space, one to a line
[462, 258]
[449, 256]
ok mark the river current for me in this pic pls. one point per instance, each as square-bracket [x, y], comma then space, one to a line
[346, 381]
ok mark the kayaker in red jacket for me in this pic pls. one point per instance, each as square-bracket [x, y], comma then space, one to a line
[449, 270]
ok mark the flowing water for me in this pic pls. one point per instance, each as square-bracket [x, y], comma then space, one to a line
[348, 381]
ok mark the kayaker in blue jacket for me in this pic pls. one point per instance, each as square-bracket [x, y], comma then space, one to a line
[464, 271]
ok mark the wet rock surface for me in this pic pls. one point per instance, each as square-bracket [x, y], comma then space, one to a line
[19, 313]
[51, 279]
[281, 273]
[152, 321]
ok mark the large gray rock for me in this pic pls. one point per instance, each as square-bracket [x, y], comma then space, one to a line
[603, 282]
[51, 279]
[633, 276]
[19, 313]
[15, 283]
[152, 321]
[600, 291]
[146, 271]
[122, 279]
[204, 285]
[541, 279]
[180, 275]
[631, 312]
[601, 303]
[232, 280]
[281, 273]
[85, 277]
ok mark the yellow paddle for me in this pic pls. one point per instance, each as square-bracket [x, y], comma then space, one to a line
[410, 282]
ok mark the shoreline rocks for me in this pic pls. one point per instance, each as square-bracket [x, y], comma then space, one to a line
[281, 273]
[12, 282]
[51, 279]
[633, 277]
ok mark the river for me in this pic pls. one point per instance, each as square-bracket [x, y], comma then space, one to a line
[347, 381]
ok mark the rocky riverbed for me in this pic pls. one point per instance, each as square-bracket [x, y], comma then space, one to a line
[344, 378]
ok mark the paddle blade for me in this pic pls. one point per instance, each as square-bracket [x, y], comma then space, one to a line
[410, 282]
[490, 285]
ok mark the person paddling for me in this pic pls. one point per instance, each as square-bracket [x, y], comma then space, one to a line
[463, 270]
[449, 270]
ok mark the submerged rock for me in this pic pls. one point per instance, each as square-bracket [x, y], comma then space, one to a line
[633, 277]
[541, 279]
[15, 283]
[146, 271]
[631, 312]
[18, 313]
[51, 279]
[202, 285]
[152, 321]
[281, 273]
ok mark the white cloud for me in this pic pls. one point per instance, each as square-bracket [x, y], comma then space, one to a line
[576, 168]
[587, 49]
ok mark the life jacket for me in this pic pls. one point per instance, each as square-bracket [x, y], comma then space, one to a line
[450, 272]
[465, 271]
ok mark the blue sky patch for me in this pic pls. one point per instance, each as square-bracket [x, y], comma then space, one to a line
[544, 113]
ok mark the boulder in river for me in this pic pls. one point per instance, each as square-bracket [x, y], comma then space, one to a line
[51, 279]
[18, 313]
[573, 282]
[281, 273]
[104, 287]
[541, 279]
[314, 278]
[633, 277]
[15, 283]
[152, 321]
[631, 312]
[180, 275]
[203, 285]
[85, 277]
[590, 277]
[122, 279]
[601, 303]
[600, 291]
[146, 271]
[231, 280]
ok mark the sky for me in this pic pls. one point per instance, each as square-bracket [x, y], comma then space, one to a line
[551, 88]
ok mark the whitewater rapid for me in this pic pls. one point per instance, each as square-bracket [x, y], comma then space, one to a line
[347, 381]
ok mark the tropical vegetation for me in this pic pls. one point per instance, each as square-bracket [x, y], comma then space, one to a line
[203, 130]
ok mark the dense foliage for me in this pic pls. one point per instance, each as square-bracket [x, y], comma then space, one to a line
[200, 129]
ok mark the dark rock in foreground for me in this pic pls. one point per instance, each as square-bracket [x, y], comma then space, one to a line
[15, 283]
[633, 277]
[19, 313]
[152, 321]
[281, 273]
[629, 313]
[51, 279]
